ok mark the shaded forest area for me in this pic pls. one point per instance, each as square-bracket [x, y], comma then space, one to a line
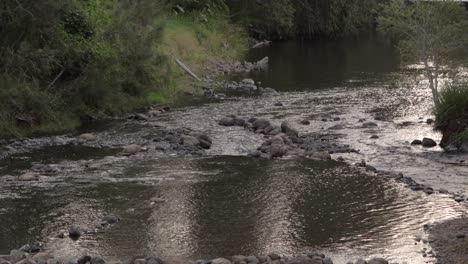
[68, 61]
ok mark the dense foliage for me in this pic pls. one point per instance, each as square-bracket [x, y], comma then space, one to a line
[70, 59]
[452, 114]
[62, 59]
[433, 33]
[305, 18]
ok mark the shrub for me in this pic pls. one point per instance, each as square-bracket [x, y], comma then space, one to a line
[452, 114]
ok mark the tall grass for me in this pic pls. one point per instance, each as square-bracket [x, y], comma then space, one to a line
[452, 113]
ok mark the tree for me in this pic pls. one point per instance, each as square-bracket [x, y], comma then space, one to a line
[428, 31]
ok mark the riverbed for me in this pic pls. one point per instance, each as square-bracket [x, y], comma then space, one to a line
[224, 202]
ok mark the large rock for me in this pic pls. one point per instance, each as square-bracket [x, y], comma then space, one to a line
[28, 176]
[252, 260]
[74, 232]
[16, 256]
[220, 261]
[369, 124]
[303, 260]
[428, 143]
[87, 137]
[204, 144]
[97, 260]
[239, 258]
[4, 261]
[377, 261]
[153, 260]
[278, 150]
[248, 82]
[261, 124]
[190, 140]
[286, 127]
[227, 121]
[274, 256]
[132, 149]
[141, 117]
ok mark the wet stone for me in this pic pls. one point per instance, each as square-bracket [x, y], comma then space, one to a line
[16, 256]
[274, 256]
[74, 232]
[377, 261]
[428, 143]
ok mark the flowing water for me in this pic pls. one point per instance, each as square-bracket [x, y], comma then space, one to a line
[227, 203]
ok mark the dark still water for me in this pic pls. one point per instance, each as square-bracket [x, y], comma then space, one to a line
[309, 65]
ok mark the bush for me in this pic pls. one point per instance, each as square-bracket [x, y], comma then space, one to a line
[452, 114]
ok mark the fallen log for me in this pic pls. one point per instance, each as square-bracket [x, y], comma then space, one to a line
[261, 44]
[187, 70]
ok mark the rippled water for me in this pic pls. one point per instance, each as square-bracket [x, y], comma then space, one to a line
[227, 203]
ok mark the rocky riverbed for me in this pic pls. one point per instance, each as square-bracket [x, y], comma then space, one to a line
[372, 141]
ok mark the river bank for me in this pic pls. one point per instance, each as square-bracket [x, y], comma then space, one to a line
[93, 175]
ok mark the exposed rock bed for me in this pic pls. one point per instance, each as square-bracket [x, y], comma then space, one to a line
[284, 140]
[25, 255]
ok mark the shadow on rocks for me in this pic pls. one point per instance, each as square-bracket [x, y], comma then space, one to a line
[449, 240]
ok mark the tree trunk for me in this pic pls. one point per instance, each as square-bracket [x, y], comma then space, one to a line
[432, 85]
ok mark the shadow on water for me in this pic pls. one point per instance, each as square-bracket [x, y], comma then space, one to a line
[311, 65]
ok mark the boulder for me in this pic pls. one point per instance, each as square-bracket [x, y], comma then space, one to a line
[74, 232]
[268, 91]
[25, 261]
[248, 82]
[278, 150]
[87, 137]
[28, 176]
[16, 256]
[227, 121]
[4, 261]
[369, 124]
[361, 261]
[204, 144]
[141, 117]
[428, 143]
[220, 261]
[139, 261]
[377, 261]
[252, 260]
[261, 124]
[275, 131]
[287, 128]
[416, 142]
[303, 260]
[190, 140]
[327, 261]
[132, 149]
[274, 256]
[238, 258]
[239, 121]
[153, 260]
[111, 219]
[97, 260]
